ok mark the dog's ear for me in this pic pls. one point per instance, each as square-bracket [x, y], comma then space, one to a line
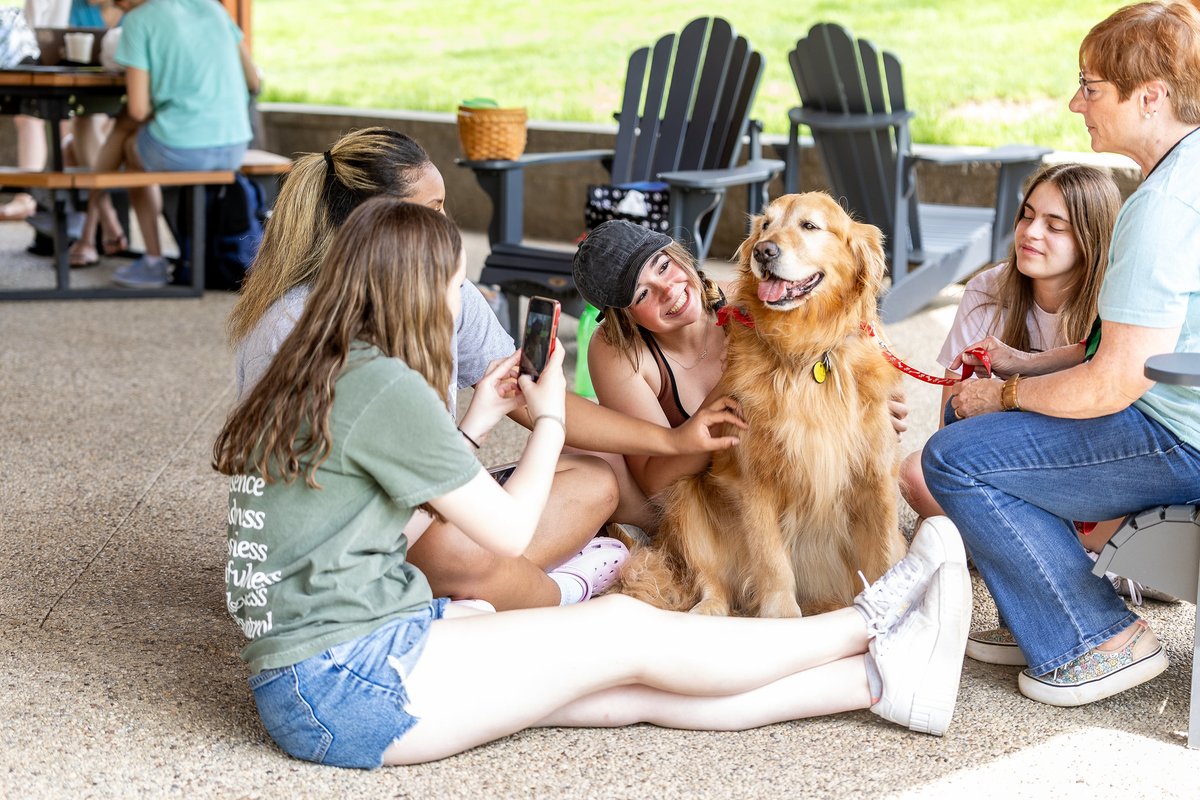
[742, 254]
[866, 245]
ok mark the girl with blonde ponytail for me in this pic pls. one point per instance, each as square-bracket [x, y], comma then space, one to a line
[319, 195]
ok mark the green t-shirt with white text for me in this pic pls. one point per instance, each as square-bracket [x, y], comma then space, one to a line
[310, 568]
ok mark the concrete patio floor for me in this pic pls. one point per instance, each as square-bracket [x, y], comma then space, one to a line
[120, 673]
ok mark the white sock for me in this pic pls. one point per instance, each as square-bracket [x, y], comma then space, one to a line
[573, 587]
[874, 679]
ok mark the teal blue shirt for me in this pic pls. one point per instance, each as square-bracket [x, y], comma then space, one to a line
[197, 86]
[1153, 277]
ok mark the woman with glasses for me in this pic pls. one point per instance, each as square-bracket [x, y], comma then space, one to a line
[1090, 437]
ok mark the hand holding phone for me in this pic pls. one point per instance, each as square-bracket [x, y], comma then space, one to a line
[541, 331]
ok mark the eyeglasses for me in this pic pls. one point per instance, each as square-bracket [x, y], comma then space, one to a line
[1086, 83]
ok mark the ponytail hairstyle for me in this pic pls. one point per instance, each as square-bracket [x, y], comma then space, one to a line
[623, 334]
[1092, 200]
[384, 282]
[315, 199]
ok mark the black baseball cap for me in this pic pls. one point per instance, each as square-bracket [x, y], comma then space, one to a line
[609, 260]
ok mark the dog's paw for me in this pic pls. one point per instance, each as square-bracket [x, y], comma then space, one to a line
[779, 605]
[712, 607]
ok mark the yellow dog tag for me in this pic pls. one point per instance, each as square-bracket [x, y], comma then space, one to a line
[821, 370]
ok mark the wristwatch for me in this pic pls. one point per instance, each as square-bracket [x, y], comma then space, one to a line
[1008, 394]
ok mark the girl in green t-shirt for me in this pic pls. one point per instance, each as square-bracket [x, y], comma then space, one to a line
[354, 664]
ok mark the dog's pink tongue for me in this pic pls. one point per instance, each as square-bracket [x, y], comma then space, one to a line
[770, 291]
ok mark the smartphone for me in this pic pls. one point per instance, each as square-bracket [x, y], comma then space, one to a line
[541, 329]
[502, 472]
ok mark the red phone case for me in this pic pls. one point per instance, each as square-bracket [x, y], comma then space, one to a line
[540, 307]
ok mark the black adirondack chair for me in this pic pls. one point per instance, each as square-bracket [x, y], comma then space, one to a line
[853, 102]
[1161, 546]
[683, 116]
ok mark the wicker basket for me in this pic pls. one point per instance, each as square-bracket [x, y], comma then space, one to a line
[491, 133]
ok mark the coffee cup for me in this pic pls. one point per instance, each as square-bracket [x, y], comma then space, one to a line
[77, 47]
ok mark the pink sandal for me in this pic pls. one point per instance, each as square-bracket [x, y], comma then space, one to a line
[597, 565]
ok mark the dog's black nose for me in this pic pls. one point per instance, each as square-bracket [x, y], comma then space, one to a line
[765, 252]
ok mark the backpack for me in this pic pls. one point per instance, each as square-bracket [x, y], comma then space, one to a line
[233, 222]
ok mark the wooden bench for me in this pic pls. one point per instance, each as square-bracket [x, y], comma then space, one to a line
[61, 184]
[260, 163]
[265, 170]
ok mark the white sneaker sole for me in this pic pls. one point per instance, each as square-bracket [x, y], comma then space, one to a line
[1136, 673]
[1008, 655]
[935, 698]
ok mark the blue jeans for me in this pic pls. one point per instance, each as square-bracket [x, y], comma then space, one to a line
[1013, 483]
[345, 706]
[158, 157]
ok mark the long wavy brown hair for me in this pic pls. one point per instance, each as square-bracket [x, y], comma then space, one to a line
[384, 282]
[314, 201]
[1092, 200]
[621, 331]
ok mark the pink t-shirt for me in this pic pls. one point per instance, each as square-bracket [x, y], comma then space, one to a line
[980, 316]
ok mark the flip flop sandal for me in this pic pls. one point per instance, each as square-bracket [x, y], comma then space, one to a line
[598, 564]
[16, 210]
[78, 259]
[116, 245]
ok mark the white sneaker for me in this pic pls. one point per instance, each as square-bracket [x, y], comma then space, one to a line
[886, 601]
[1136, 592]
[919, 661]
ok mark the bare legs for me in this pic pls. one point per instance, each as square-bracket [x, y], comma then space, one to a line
[88, 136]
[120, 148]
[484, 677]
[633, 507]
[582, 498]
[31, 157]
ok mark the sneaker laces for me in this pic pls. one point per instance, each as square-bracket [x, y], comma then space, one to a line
[887, 600]
[1134, 589]
[885, 638]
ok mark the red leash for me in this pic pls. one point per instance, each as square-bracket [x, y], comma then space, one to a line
[968, 370]
[728, 312]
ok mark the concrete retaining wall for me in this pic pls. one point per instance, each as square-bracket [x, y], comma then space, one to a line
[555, 193]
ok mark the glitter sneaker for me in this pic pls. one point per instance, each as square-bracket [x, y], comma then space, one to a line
[1098, 673]
[995, 646]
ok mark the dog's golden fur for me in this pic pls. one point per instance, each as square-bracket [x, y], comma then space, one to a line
[785, 520]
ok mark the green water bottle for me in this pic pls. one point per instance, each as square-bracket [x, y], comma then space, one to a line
[587, 325]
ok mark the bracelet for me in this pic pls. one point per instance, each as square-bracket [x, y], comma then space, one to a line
[467, 436]
[557, 419]
[1008, 394]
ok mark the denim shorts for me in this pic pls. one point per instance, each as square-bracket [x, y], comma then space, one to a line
[158, 157]
[346, 705]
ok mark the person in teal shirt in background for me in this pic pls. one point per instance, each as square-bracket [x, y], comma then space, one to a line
[189, 76]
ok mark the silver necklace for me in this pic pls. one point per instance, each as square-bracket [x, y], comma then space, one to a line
[679, 363]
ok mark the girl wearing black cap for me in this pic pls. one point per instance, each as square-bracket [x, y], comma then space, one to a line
[659, 353]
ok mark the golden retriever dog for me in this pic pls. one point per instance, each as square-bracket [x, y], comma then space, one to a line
[787, 519]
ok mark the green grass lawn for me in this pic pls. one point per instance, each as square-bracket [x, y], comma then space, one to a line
[983, 72]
